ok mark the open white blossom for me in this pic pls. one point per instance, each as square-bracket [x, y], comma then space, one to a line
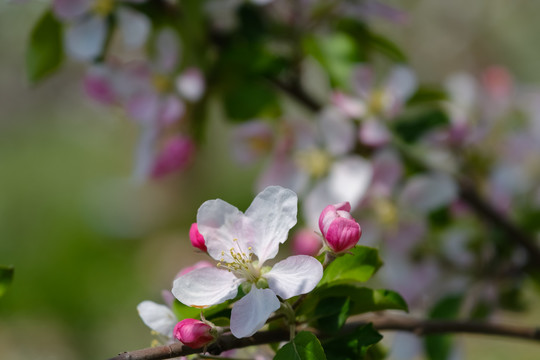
[234, 238]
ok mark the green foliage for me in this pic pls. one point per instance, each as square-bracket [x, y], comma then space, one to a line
[361, 300]
[360, 265]
[386, 47]
[6, 277]
[304, 346]
[354, 345]
[249, 98]
[216, 312]
[413, 124]
[333, 312]
[425, 94]
[439, 347]
[338, 53]
[45, 49]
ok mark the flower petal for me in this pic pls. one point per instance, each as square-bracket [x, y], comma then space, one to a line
[205, 287]
[145, 153]
[270, 216]
[425, 193]
[401, 83]
[250, 313]
[220, 223]
[135, 27]
[337, 131]
[85, 39]
[70, 9]
[157, 317]
[348, 180]
[294, 276]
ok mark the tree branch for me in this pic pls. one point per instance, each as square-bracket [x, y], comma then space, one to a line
[380, 322]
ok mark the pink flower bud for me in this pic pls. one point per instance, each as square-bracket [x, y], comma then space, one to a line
[193, 333]
[197, 240]
[340, 231]
[306, 242]
[176, 155]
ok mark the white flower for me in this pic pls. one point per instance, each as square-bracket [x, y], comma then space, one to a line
[233, 238]
[158, 318]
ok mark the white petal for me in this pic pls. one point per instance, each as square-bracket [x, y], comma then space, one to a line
[167, 50]
[425, 193]
[401, 83]
[190, 84]
[145, 153]
[348, 180]
[283, 171]
[157, 317]
[85, 39]
[294, 276]
[337, 131]
[271, 215]
[250, 313]
[220, 223]
[135, 27]
[362, 80]
[205, 287]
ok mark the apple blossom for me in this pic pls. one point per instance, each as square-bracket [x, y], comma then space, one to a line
[197, 240]
[340, 231]
[194, 333]
[233, 238]
[159, 318]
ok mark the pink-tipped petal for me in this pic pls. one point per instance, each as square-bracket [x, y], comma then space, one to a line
[197, 240]
[175, 156]
[306, 242]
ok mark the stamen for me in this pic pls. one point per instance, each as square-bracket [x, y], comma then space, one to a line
[241, 263]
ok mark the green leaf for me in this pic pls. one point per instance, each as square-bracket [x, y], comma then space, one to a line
[213, 312]
[354, 345]
[337, 53]
[45, 51]
[248, 99]
[361, 265]
[305, 346]
[361, 299]
[6, 278]
[426, 94]
[387, 48]
[413, 124]
[337, 310]
[439, 347]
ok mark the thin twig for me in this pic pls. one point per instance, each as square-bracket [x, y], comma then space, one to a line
[384, 322]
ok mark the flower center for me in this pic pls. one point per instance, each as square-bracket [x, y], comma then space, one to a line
[315, 162]
[161, 83]
[103, 7]
[378, 102]
[242, 264]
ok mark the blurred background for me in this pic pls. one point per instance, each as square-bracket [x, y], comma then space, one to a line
[88, 244]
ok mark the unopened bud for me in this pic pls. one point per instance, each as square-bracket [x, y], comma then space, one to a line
[197, 240]
[340, 230]
[306, 242]
[194, 333]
